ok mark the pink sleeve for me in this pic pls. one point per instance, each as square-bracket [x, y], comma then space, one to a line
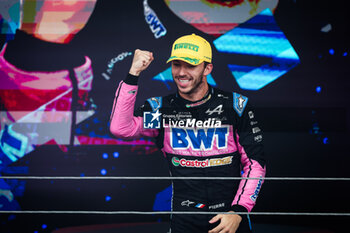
[123, 123]
[248, 190]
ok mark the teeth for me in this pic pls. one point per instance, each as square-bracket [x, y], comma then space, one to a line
[184, 80]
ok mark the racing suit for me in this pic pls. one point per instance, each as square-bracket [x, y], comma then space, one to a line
[217, 136]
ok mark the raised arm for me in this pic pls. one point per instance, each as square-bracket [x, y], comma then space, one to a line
[123, 123]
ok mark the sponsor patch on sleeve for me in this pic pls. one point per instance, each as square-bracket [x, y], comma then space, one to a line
[257, 190]
[239, 103]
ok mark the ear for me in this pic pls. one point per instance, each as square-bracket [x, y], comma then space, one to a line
[208, 69]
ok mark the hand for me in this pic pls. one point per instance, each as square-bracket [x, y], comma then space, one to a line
[142, 59]
[229, 223]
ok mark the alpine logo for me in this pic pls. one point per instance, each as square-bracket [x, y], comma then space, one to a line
[217, 110]
[201, 163]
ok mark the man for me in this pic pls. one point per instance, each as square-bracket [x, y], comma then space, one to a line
[203, 132]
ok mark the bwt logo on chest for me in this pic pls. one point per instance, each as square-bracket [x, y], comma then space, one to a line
[199, 139]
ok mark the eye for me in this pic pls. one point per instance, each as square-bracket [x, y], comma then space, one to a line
[190, 66]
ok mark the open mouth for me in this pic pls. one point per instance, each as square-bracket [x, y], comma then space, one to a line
[183, 82]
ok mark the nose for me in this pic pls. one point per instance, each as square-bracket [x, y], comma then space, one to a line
[182, 71]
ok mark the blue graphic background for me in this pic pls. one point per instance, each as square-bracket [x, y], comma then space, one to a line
[292, 63]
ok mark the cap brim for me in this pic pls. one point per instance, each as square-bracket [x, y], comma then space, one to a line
[191, 61]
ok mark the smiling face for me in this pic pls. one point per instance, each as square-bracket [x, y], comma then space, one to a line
[191, 80]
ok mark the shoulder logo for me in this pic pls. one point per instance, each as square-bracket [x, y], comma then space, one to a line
[155, 102]
[239, 103]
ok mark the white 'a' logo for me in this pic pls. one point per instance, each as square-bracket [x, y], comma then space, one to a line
[217, 110]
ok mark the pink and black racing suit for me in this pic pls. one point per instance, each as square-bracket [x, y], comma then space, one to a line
[217, 136]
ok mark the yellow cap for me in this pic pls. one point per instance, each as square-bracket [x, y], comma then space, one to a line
[192, 49]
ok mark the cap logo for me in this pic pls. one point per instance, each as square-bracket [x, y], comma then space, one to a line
[186, 46]
[192, 49]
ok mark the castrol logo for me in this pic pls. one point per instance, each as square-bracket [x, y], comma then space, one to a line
[201, 163]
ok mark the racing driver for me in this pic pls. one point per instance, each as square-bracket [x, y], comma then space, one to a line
[203, 132]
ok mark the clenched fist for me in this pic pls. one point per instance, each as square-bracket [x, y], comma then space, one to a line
[142, 59]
